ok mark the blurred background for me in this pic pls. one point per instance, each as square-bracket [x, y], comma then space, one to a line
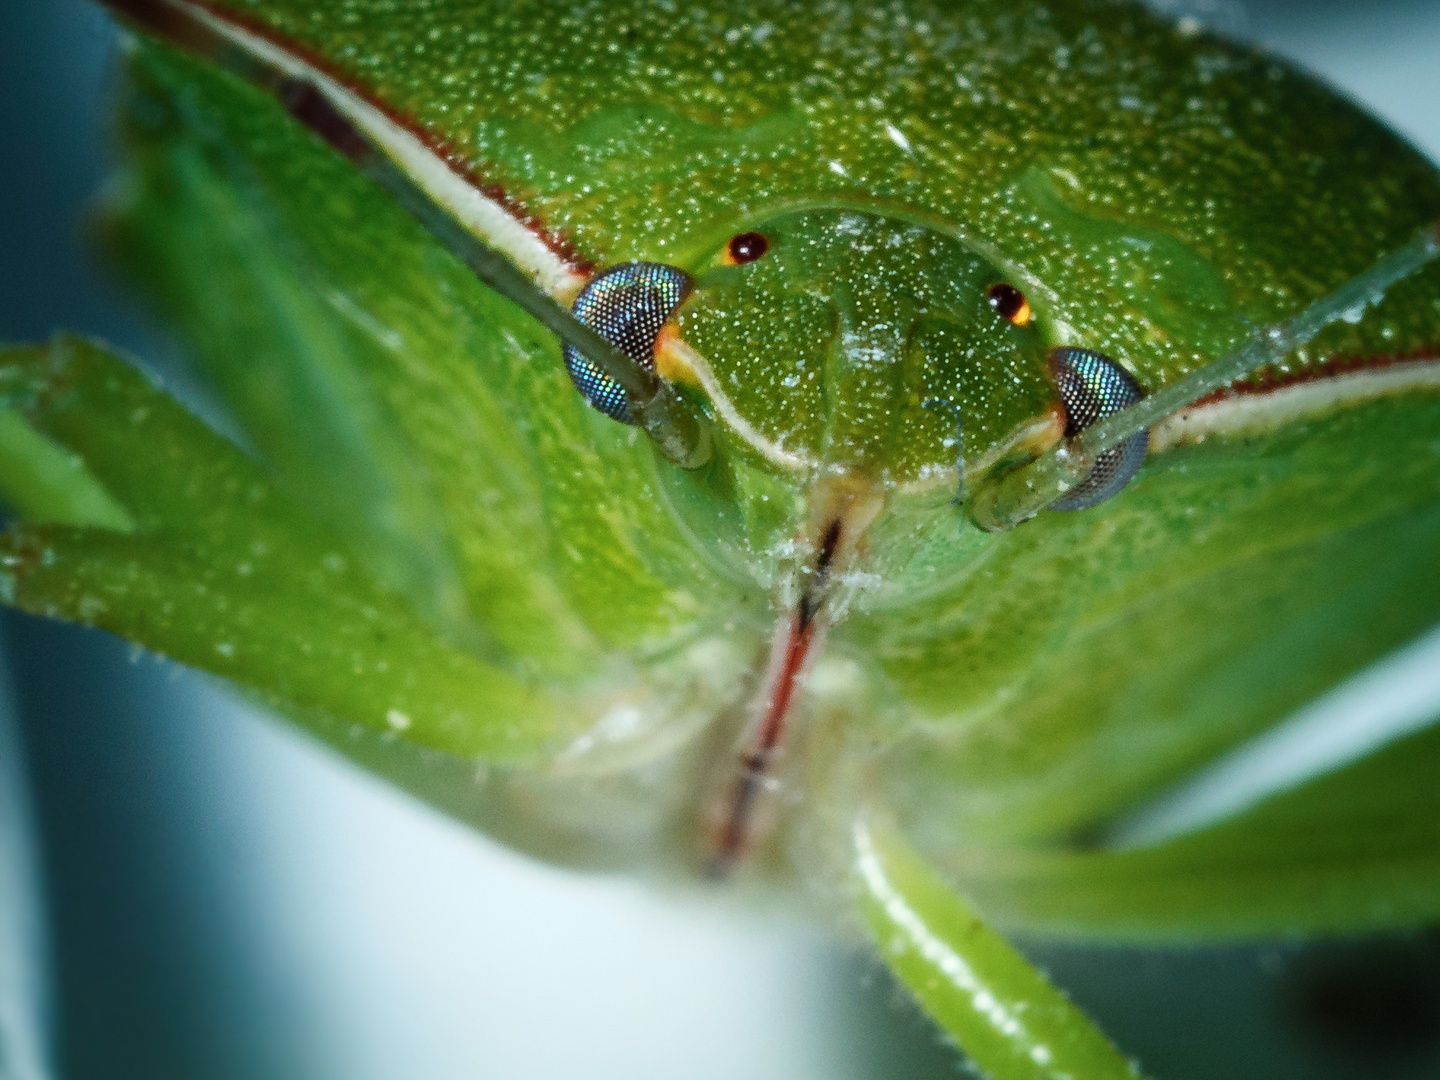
[190, 889]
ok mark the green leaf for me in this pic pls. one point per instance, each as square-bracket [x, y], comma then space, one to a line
[223, 572]
[1353, 851]
[39, 481]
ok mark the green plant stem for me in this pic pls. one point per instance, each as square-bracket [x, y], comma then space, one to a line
[984, 994]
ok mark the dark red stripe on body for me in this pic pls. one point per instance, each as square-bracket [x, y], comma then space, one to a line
[1267, 382]
[172, 22]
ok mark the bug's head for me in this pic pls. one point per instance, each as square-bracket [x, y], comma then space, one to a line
[861, 343]
[843, 342]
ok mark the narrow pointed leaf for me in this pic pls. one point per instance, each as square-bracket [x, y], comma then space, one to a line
[225, 573]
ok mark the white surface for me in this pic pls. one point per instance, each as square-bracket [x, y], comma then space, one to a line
[1385, 56]
[1396, 697]
[410, 947]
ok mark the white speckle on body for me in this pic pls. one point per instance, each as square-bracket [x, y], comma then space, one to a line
[897, 137]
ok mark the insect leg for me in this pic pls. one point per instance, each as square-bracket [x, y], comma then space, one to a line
[984, 994]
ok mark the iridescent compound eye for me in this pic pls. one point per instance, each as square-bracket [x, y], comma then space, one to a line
[626, 305]
[1092, 388]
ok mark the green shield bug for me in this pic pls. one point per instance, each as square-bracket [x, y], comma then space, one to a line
[878, 452]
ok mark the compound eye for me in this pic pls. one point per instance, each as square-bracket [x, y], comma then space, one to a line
[1010, 303]
[627, 305]
[1092, 388]
[746, 248]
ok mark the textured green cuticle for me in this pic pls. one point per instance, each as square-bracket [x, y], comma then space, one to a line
[867, 342]
[1181, 294]
[635, 128]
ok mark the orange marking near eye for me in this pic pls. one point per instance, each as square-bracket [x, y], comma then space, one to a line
[672, 362]
[1010, 302]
